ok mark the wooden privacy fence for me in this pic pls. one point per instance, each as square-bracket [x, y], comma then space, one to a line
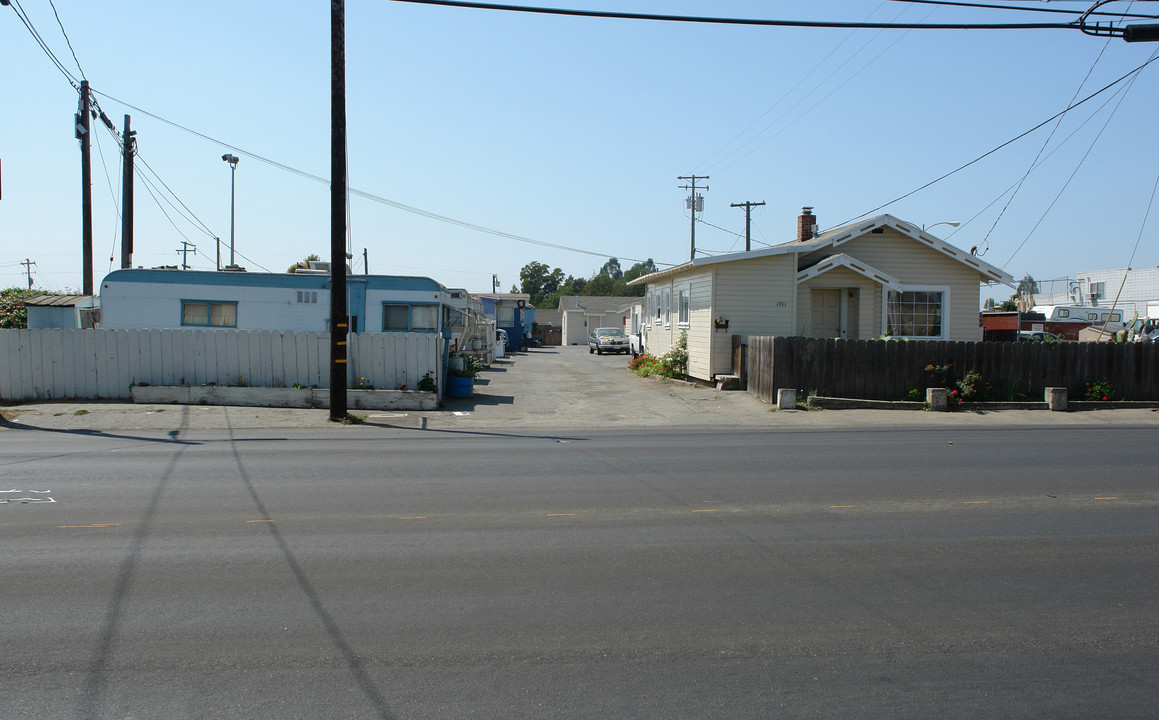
[99, 364]
[890, 369]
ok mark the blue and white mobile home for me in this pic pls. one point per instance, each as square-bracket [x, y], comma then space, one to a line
[186, 299]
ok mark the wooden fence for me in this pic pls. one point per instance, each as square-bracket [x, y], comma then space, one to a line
[890, 369]
[104, 364]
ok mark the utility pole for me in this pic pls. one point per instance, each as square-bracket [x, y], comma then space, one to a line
[86, 191]
[129, 149]
[365, 263]
[28, 268]
[494, 284]
[694, 202]
[748, 224]
[338, 311]
[184, 253]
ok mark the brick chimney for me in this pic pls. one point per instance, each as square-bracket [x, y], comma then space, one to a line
[806, 225]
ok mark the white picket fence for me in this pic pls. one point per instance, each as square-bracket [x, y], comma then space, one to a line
[100, 364]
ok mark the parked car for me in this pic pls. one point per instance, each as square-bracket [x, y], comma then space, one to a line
[608, 339]
[1039, 336]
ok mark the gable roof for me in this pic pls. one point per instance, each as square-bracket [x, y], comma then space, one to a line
[839, 236]
[596, 304]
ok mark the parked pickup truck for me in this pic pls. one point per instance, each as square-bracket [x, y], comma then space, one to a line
[608, 339]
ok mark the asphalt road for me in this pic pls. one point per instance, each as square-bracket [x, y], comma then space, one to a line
[529, 573]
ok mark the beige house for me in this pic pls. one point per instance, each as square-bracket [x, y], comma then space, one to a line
[584, 313]
[875, 277]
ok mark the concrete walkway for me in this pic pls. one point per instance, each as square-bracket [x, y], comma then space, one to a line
[554, 387]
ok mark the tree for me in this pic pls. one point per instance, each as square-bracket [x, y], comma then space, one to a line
[13, 314]
[540, 282]
[612, 269]
[1027, 285]
[303, 264]
[638, 270]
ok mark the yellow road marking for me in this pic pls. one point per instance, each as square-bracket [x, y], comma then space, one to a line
[709, 510]
[831, 507]
[1109, 498]
[259, 521]
[561, 514]
[94, 525]
[414, 517]
[976, 502]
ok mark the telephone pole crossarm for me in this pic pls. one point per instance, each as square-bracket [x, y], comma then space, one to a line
[748, 224]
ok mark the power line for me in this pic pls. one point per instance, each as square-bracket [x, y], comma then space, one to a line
[20, 13]
[990, 6]
[603, 14]
[990, 152]
[66, 40]
[366, 195]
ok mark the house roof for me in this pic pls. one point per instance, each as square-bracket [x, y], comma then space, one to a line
[839, 236]
[59, 300]
[596, 304]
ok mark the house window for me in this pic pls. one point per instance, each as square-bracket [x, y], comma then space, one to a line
[915, 313]
[1098, 290]
[410, 318]
[683, 306]
[667, 307]
[506, 315]
[309, 297]
[205, 313]
[657, 302]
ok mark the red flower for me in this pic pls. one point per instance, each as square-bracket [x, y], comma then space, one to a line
[1104, 397]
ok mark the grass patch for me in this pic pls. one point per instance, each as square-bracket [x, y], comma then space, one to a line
[352, 419]
[82, 411]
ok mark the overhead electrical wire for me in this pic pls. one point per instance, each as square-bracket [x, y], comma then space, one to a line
[1065, 185]
[66, 40]
[785, 96]
[366, 195]
[1011, 141]
[985, 240]
[992, 6]
[20, 13]
[605, 14]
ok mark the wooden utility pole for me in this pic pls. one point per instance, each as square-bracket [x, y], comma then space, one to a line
[184, 252]
[28, 263]
[748, 222]
[692, 206]
[338, 319]
[128, 150]
[86, 191]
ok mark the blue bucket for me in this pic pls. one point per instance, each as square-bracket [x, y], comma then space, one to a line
[460, 387]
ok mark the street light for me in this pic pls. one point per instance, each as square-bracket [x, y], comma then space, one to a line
[232, 160]
[951, 223]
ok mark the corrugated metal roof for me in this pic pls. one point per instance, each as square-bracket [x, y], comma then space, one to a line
[57, 300]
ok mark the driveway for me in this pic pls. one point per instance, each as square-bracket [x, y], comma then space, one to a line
[569, 387]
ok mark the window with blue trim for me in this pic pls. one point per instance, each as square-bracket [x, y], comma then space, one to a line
[208, 313]
[410, 318]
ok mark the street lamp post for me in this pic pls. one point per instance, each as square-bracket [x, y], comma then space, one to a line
[232, 160]
[951, 223]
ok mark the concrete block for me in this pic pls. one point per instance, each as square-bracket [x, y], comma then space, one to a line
[728, 382]
[1056, 399]
[938, 398]
[786, 399]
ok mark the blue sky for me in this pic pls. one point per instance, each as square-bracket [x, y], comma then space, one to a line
[571, 131]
